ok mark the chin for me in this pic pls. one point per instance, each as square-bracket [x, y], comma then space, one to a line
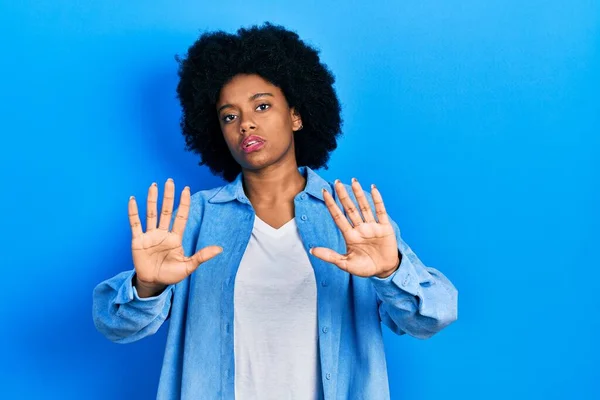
[255, 163]
[261, 159]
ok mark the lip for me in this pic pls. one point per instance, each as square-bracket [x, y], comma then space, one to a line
[255, 146]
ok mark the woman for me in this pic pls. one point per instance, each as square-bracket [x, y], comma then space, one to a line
[275, 284]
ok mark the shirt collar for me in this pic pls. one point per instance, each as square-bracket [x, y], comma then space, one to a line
[235, 189]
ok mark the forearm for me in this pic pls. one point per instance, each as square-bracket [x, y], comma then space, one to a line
[122, 315]
[415, 299]
[420, 309]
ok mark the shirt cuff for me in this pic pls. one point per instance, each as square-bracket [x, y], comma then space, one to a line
[127, 293]
[404, 277]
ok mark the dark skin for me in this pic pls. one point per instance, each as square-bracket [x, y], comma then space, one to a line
[249, 105]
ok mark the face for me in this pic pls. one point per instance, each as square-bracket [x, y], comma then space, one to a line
[256, 121]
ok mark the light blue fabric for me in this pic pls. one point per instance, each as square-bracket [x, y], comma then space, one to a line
[199, 358]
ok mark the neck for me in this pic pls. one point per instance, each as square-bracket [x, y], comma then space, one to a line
[273, 185]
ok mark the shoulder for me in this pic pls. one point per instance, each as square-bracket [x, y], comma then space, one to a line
[199, 201]
[202, 196]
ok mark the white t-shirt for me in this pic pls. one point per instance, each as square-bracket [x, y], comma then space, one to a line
[275, 318]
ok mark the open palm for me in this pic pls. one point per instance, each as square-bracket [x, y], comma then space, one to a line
[158, 254]
[371, 245]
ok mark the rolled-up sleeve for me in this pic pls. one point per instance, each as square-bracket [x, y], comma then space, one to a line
[121, 315]
[415, 299]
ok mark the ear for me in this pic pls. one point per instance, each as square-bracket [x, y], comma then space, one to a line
[296, 119]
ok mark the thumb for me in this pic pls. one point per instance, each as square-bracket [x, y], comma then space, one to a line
[202, 256]
[329, 255]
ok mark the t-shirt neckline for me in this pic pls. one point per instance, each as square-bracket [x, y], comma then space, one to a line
[263, 227]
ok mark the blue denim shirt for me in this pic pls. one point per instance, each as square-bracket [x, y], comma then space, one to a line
[199, 359]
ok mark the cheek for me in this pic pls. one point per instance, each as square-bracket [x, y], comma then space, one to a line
[228, 134]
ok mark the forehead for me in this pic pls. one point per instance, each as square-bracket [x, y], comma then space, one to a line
[242, 86]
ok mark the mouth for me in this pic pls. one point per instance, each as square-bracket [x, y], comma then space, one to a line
[252, 143]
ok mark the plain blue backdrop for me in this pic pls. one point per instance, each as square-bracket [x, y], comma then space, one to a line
[478, 120]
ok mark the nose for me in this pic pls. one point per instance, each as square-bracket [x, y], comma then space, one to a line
[247, 126]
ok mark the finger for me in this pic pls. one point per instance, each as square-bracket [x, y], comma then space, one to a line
[338, 217]
[363, 203]
[134, 218]
[167, 205]
[182, 212]
[379, 206]
[330, 256]
[201, 256]
[349, 206]
[151, 207]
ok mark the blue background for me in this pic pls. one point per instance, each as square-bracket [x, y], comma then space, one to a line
[478, 120]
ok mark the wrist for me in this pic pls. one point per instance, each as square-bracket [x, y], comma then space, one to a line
[387, 273]
[147, 290]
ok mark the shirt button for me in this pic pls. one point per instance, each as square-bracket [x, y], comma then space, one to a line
[226, 328]
[324, 283]
[325, 329]
[328, 376]
[406, 280]
[304, 217]
[303, 196]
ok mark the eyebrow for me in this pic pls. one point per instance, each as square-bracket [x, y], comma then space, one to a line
[253, 97]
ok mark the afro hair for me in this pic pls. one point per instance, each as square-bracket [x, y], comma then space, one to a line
[278, 56]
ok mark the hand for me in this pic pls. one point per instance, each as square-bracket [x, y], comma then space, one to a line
[372, 248]
[158, 255]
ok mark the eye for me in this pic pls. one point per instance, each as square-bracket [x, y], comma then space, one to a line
[263, 107]
[228, 118]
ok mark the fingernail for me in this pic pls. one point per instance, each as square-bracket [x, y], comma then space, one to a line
[310, 251]
[353, 180]
[187, 187]
[336, 181]
[153, 183]
[131, 197]
[373, 186]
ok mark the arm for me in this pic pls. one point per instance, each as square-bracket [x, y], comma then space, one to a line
[122, 316]
[415, 299]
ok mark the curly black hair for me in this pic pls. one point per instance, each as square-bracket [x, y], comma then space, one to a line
[278, 56]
